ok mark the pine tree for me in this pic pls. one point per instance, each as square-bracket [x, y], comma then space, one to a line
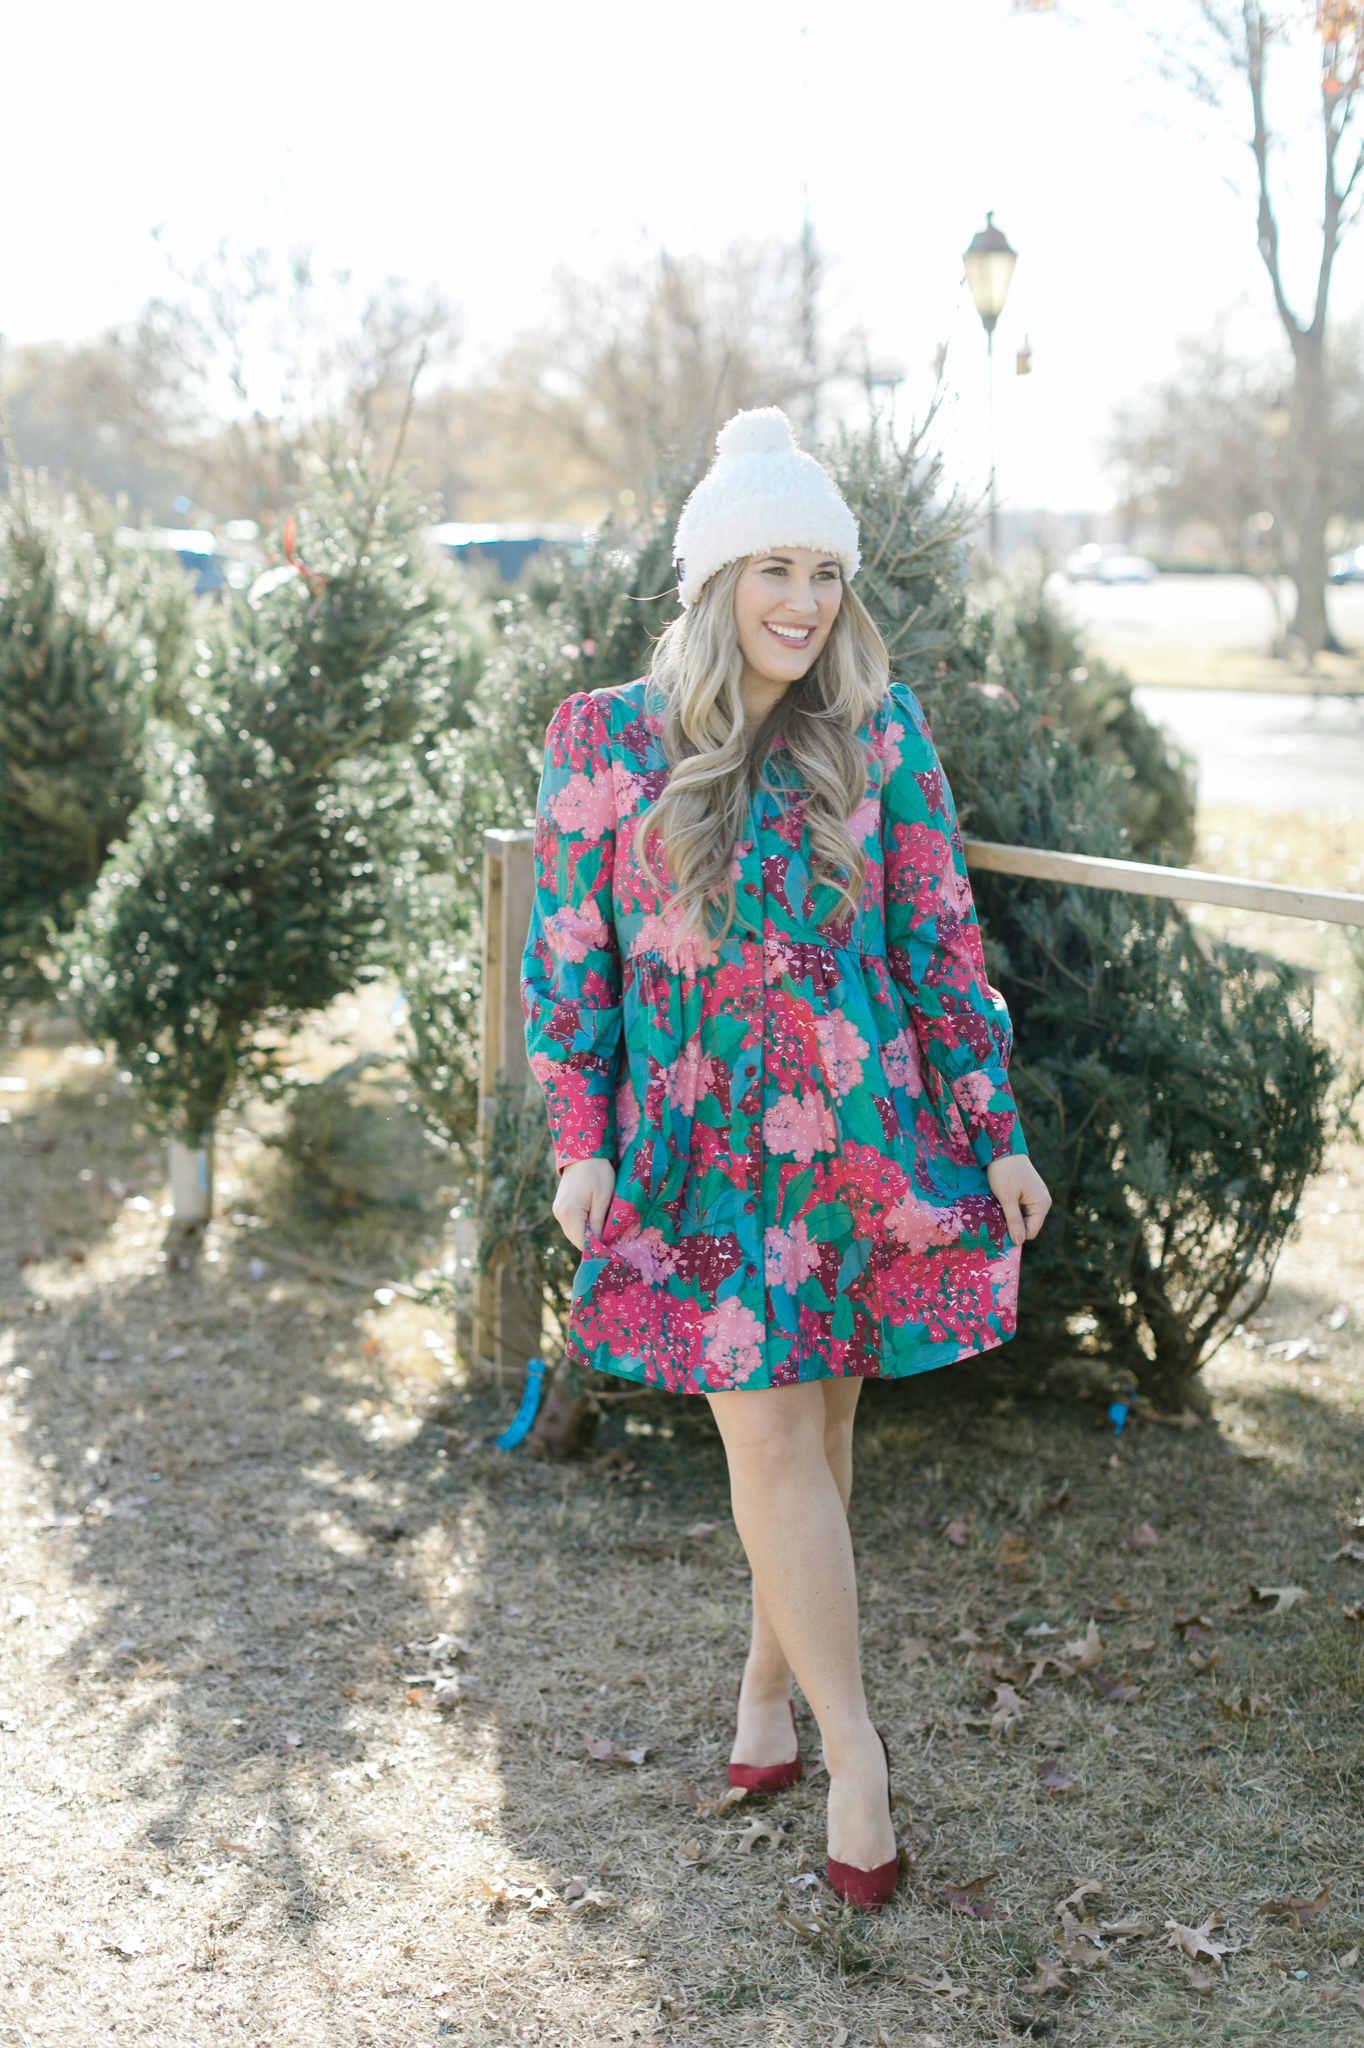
[251, 885]
[86, 645]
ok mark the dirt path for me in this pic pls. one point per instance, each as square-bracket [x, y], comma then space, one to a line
[232, 1811]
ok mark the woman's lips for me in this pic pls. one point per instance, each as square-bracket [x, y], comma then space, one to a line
[791, 636]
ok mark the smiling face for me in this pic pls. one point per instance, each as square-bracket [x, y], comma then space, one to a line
[785, 605]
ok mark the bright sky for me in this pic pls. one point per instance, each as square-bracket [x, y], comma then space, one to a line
[478, 146]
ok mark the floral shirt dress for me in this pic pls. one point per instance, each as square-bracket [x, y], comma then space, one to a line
[801, 1116]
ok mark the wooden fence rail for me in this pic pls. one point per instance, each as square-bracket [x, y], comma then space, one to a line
[1140, 878]
[504, 1328]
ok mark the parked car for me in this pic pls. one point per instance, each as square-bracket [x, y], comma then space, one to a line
[1347, 568]
[1098, 563]
[200, 554]
[505, 548]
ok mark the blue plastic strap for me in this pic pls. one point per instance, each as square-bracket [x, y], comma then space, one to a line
[525, 1415]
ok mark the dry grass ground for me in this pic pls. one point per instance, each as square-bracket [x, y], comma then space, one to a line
[231, 1528]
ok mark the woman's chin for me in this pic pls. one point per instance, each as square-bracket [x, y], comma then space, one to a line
[783, 668]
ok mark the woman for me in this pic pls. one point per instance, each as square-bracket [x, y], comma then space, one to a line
[787, 1144]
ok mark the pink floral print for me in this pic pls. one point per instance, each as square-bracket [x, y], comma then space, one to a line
[801, 1116]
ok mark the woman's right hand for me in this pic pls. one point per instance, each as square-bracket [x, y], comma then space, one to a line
[584, 1197]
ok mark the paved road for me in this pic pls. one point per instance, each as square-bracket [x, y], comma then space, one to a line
[1284, 753]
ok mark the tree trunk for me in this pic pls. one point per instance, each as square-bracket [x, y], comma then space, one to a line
[191, 1180]
[1311, 628]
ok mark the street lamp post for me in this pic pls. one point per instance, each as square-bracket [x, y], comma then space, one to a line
[989, 265]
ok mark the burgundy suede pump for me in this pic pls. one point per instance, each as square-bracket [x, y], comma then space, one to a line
[867, 1889]
[766, 1777]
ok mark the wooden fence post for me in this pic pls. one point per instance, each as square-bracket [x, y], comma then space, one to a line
[506, 1322]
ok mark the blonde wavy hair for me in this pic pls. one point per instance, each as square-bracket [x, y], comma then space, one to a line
[716, 765]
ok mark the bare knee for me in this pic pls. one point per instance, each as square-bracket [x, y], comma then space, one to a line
[771, 1433]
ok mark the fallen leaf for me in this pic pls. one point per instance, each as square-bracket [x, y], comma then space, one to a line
[1141, 1538]
[1247, 1706]
[1087, 1651]
[1200, 1980]
[1300, 1911]
[1278, 1599]
[1012, 1561]
[838, 2038]
[1081, 1947]
[1204, 1660]
[700, 1529]
[537, 1898]
[940, 1987]
[1120, 1690]
[593, 1900]
[1198, 1941]
[1194, 1627]
[970, 1898]
[1125, 1930]
[1348, 1960]
[1353, 1551]
[710, 1806]
[757, 1831]
[1049, 1978]
[1056, 1776]
[1042, 1628]
[1007, 1709]
[233, 1848]
[603, 1751]
[958, 1533]
[689, 1852]
[1354, 1611]
[1092, 1888]
[914, 1650]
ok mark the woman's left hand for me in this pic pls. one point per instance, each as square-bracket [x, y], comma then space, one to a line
[1021, 1192]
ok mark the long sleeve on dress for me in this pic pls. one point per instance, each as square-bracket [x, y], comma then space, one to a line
[570, 970]
[933, 944]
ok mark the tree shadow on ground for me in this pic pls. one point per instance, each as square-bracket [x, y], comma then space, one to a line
[233, 1481]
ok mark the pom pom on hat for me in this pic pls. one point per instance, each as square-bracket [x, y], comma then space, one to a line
[764, 431]
[761, 492]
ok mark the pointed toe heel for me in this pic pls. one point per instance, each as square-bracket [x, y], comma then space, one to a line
[767, 1777]
[867, 1889]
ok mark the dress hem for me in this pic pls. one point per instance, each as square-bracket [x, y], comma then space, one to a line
[576, 1354]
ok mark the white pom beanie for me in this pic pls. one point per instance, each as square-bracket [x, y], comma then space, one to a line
[761, 492]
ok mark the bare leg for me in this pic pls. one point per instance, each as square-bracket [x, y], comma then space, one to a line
[763, 1733]
[789, 1510]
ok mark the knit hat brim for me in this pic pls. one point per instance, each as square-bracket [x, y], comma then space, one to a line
[762, 492]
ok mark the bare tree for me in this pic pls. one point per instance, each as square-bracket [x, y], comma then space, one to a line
[634, 373]
[1205, 445]
[220, 392]
[1242, 46]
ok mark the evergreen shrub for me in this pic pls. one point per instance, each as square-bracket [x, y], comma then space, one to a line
[252, 884]
[90, 639]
